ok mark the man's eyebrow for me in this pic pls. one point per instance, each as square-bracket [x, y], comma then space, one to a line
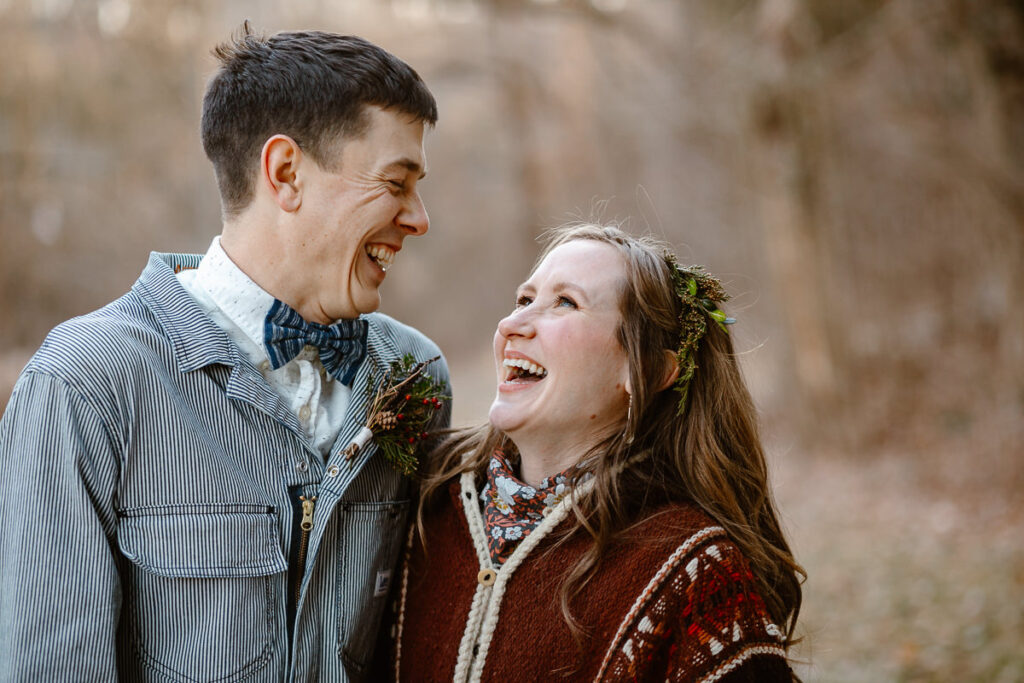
[409, 165]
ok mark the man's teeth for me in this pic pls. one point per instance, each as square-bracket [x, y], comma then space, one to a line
[384, 256]
[525, 365]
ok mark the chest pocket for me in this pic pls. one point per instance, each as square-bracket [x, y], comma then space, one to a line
[374, 533]
[202, 592]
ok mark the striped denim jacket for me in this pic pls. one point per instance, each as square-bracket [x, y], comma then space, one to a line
[151, 488]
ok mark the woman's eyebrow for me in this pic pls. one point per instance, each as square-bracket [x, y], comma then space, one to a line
[565, 285]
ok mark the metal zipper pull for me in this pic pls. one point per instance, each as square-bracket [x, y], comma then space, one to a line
[307, 512]
[305, 526]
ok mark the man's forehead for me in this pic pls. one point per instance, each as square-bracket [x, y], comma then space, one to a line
[392, 141]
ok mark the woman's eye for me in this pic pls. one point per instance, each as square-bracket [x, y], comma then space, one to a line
[566, 301]
[397, 185]
[523, 301]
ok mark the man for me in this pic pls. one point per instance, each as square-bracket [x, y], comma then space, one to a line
[178, 499]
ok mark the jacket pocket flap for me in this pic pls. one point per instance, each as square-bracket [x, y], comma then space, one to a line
[198, 541]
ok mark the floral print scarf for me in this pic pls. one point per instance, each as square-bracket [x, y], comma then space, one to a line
[512, 509]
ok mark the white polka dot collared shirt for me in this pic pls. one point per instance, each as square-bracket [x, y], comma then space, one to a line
[239, 307]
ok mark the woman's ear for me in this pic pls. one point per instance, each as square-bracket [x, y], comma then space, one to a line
[670, 371]
[279, 165]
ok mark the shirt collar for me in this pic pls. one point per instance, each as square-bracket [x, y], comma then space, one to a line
[243, 301]
[195, 338]
[198, 341]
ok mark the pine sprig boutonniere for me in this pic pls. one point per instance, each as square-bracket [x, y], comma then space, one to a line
[400, 412]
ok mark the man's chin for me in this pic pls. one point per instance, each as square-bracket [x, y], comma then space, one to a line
[366, 304]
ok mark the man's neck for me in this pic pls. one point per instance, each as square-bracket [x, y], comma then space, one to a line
[258, 251]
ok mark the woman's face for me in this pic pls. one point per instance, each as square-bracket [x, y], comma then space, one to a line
[562, 374]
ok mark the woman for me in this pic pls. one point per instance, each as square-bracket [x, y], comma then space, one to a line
[613, 521]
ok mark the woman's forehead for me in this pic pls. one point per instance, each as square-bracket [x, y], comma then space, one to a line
[586, 263]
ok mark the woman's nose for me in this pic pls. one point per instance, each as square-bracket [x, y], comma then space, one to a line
[518, 323]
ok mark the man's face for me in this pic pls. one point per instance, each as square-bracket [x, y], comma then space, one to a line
[353, 221]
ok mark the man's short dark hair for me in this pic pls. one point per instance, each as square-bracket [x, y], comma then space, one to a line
[311, 86]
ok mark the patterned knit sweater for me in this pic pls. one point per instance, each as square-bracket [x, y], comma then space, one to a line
[676, 602]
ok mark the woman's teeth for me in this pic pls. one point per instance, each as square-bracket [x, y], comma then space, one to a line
[520, 367]
[382, 255]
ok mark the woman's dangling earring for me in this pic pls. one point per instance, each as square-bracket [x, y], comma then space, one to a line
[629, 420]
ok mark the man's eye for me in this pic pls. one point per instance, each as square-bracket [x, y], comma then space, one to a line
[523, 301]
[397, 185]
[566, 301]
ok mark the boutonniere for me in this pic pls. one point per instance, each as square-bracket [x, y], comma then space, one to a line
[400, 412]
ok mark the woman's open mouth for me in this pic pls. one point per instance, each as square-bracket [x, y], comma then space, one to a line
[520, 370]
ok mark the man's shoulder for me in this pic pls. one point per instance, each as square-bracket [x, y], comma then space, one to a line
[104, 338]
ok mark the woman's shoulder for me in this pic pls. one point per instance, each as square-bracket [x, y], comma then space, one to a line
[675, 546]
[691, 547]
[672, 521]
[701, 605]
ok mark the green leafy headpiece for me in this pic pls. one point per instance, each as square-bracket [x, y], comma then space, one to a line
[700, 293]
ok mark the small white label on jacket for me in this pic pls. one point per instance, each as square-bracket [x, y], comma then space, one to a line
[382, 584]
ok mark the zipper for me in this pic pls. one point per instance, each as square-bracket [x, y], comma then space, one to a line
[305, 526]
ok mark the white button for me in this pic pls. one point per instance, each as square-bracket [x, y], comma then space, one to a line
[265, 365]
[333, 471]
[304, 413]
[302, 466]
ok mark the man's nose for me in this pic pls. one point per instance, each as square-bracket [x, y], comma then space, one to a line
[413, 216]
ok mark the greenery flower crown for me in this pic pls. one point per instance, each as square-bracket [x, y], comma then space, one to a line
[700, 293]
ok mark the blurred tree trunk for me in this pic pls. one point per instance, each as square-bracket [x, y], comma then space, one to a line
[550, 111]
[23, 168]
[787, 155]
[896, 241]
[998, 28]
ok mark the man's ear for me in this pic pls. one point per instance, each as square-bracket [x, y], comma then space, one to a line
[671, 370]
[279, 171]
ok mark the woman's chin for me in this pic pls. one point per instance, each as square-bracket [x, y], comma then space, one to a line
[504, 417]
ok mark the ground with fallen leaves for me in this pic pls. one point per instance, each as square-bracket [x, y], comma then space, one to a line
[907, 581]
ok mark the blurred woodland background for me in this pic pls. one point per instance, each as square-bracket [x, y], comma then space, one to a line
[854, 169]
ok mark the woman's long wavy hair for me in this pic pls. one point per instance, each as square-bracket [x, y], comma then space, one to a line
[711, 455]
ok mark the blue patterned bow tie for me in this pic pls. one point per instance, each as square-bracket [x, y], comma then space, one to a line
[342, 345]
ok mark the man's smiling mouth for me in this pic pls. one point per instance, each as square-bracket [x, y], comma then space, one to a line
[381, 254]
[522, 370]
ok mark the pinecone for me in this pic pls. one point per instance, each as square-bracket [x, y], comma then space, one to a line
[387, 420]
